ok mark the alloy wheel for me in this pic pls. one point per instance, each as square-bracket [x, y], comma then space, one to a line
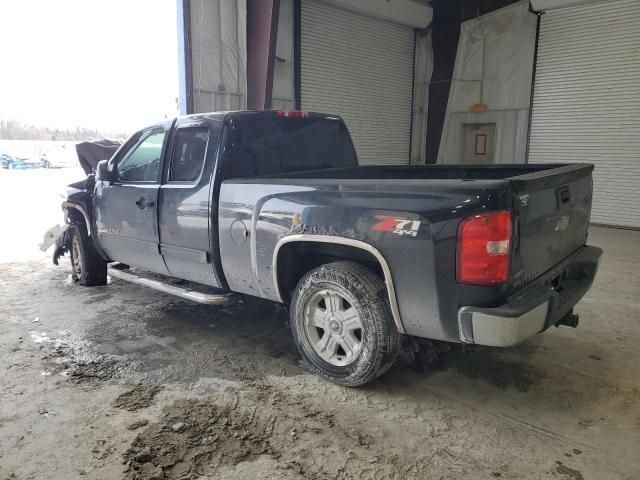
[333, 327]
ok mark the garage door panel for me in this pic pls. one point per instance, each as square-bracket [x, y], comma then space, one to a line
[360, 68]
[587, 99]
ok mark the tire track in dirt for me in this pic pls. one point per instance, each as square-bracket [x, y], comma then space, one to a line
[209, 436]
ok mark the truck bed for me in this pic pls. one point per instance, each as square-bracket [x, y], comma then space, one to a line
[550, 204]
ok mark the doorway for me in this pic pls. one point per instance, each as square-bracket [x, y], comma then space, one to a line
[479, 141]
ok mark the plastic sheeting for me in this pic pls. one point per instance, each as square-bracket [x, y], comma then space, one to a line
[219, 55]
[493, 66]
[423, 69]
[283, 95]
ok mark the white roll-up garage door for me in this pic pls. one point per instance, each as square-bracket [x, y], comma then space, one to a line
[587, 101]
[360, 68]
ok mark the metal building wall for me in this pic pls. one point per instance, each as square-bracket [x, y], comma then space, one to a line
[360, 68]
[587, 101]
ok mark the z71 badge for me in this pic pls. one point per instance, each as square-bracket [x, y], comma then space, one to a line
[399, 225]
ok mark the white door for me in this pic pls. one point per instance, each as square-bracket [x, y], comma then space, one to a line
[479, 140]
[360, 68]
[587, 101]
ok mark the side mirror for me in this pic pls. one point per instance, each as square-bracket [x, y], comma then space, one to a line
[103, 173]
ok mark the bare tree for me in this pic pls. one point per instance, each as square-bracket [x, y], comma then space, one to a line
[14, 130]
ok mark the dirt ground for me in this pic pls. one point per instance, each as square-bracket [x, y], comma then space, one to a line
[120, 382]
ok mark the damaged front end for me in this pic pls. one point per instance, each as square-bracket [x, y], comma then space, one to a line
[77, 200]
[76, 206]
[62, 244]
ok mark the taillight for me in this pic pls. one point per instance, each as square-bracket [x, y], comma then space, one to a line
[292, 114]
[484, 245]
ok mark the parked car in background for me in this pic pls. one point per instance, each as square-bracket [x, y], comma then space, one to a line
[22, 163]
[6, 160]
[275, 205]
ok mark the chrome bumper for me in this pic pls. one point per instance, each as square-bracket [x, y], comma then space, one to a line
[538, 306]
[496, 331]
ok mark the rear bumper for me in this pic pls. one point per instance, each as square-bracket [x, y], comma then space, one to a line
[536, 307]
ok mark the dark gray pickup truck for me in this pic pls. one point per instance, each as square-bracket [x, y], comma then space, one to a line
[275, 205]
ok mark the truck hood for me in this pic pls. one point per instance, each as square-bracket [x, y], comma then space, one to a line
[91, 152]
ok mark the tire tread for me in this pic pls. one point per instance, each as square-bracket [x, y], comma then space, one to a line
[364, 284]
[94, 269]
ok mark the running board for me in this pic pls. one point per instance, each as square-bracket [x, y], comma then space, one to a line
[118, 271]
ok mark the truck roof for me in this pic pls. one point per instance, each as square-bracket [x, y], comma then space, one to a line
[253, 113]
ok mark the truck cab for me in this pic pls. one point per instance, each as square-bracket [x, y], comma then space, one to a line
[156, 211]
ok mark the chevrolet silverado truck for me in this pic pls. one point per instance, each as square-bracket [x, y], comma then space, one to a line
[275, 205]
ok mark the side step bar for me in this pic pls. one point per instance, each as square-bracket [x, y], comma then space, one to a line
[118, 271]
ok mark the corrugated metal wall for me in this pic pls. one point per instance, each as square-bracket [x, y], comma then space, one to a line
[587, 101]
[360, 68]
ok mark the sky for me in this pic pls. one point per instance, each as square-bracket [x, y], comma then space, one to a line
[110, 65]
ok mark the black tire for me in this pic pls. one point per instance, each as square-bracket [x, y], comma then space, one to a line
[363, 290]
[88, 267]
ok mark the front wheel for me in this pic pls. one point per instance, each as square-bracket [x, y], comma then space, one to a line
[88, 268]
[342, 323]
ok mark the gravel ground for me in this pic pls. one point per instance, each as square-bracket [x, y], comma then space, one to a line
[123, 382]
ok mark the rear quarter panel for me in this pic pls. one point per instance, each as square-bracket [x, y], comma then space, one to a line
[255, 214]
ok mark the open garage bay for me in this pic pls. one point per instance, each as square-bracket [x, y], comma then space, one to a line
[123, 382]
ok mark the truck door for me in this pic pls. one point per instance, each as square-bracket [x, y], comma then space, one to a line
[188, 228]
[126, 210]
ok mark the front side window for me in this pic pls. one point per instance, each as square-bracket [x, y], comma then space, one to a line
[189, 152]
[142, 162]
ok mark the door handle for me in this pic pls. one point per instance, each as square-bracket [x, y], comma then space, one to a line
[143, 204]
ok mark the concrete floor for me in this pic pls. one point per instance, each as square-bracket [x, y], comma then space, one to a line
[123, 382]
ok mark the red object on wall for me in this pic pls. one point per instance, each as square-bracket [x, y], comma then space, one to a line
[479, 108]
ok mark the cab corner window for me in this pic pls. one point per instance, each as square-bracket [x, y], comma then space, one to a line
[189, 152]
[142, 162]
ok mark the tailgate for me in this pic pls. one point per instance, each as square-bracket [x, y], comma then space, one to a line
[552, 210]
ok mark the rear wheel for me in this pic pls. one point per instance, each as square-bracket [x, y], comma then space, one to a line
[342, 323]
[88, 268]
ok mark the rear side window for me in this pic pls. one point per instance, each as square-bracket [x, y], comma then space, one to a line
[275, 145]
[189, 151]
